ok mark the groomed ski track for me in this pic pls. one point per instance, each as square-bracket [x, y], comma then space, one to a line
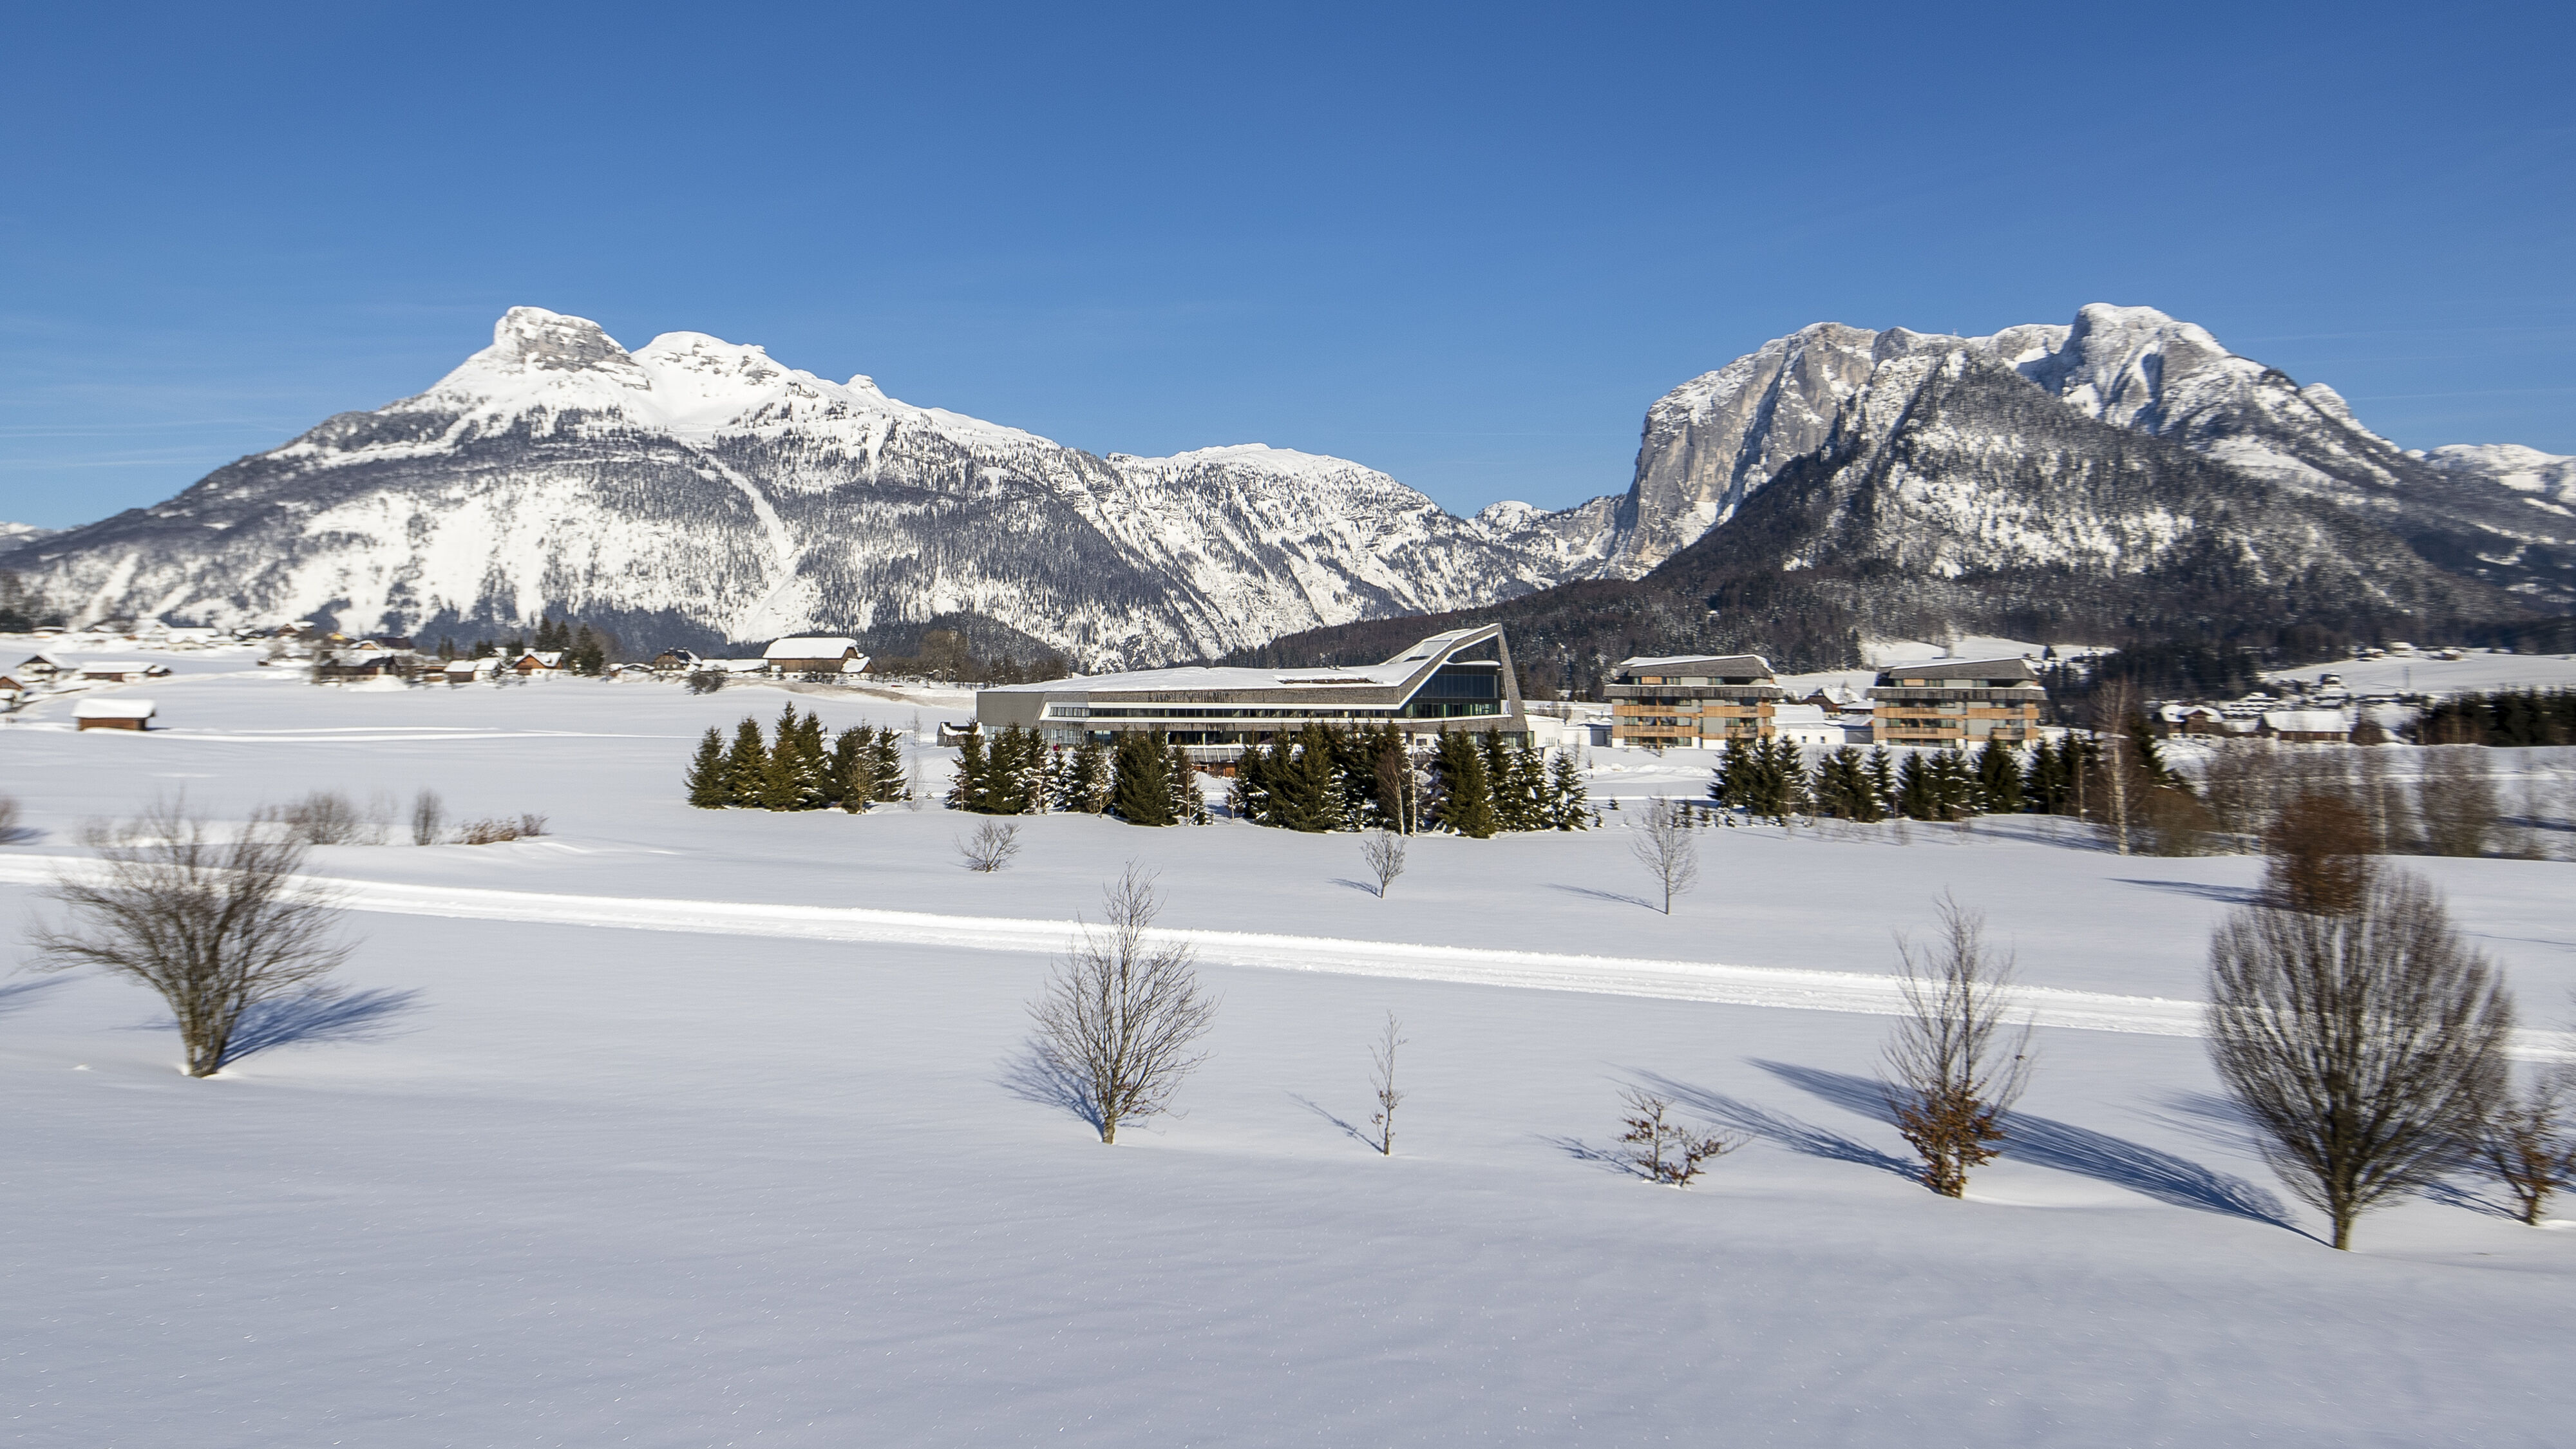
[1781, 987]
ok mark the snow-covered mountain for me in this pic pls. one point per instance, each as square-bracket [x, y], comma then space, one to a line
[694, 489]
[2497, 514]
[15, 536]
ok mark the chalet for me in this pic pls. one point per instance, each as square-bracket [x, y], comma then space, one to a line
[2308, 726]
[548, 661]
[1461, 680]
[813, 654]
[40, 666]
[1692, 701]
[112, 714]
[469, 671]
[1956, 702]
[1809, 725]
[674, 661]
[122, 671]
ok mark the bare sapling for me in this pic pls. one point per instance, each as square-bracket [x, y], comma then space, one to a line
[1954, 1068]
[2364, 1047]
[1382, 1077]
[8, 819]
[1661, 1147]
[428, 818]
[1663, 843]
[991, 847]
[2524, 1141]
[1121, 1018]
[325, 817]
[1384, 852]
[215, 925]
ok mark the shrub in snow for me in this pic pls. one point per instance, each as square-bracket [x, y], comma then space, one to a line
[1954, 1069]
[1661, 1148]
[1122, 1016]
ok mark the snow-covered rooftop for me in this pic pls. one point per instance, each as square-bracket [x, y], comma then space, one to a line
[810, 646]
[114, 708]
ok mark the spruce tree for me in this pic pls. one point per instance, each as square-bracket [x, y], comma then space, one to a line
[708, 788]
[1086, 778]
[1569, 805]
[886, 782]
[845, 776]
[1916, 797]
[746, 764]
[1304, 791]
[1466, 797]
[966, 792]
[1998, 779]
[1189, 802]
[1882, 780]
[1141, 794]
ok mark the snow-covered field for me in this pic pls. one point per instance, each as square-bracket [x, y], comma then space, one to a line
[2477, 670]
[688, 1128]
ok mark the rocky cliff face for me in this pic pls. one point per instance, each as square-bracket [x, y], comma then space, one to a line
[2486, 513]
[695, 490]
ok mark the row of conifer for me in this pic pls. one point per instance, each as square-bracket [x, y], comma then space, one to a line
[795, 769]
[1144, 779]
[1770, 778]
[1330, 778]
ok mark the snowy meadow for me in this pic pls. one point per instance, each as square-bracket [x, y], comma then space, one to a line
[682, 1127]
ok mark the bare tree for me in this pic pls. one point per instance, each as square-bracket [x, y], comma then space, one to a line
[1664, 845]
[2524, 1141]
[325, 817]
[1382, 1059]
[2320, 848]
[2456, 800]
[991, 846]
[1384, 852]
[428, 818]
[2363, 1046]
[2113, 704]
[1399, 792]
[1122, 1016]
[1954, 1067]
[216, 926]
[8, 819]
[1664, 1149]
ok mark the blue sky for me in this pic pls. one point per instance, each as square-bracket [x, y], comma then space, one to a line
[1467, 245]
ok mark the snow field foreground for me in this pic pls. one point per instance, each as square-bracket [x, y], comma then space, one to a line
[563, 1183]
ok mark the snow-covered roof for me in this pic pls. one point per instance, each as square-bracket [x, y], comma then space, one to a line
[1786, 715]
[113, 708]
[2017, 669]
[810, 646]
[2306, 721]
[1417, 661]
[115, 666]
[1730, 664]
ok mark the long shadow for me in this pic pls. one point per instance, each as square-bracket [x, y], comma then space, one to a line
[1363, 887]
[320, 1017]
[1611, 896]
[1601, 1157]
[2221, 1122]
[2047, 1142]
[1320, 1110]
[1804, 1138]
[1033, 1076]
[25, 994]
[2223, 894]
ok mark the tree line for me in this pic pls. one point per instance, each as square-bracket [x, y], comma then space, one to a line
[1331, 778]
[2505, 719]
[793, 768]
[1144, 780]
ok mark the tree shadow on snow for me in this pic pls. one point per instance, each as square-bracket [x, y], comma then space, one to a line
[2046, 1142]
[25, 994]
[2223, 894]
[320, 1016]
[1363, 887]
[1613, 897]
[1601, 1157]
[1033, 1076]
[1320, 1110]
[1804, 1138]
[2220, 1122]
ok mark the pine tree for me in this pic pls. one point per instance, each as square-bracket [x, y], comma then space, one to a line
[1086, 778]
[1466, 796]
[746, 764]
[886, 782]
[707, 784]
[1916, 796]
[1882, 780]
[1998, 779]
[1141, 794]
[1843, 787]
[966, 792]
[845, 777]
[1569, 805]
[1304, 792]
[1189, 802]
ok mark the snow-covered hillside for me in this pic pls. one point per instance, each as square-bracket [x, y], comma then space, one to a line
[694, 489]
[678, 1128]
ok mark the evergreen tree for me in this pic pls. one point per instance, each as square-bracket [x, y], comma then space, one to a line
[1953, 785]
[746, 764]
[886, 782]
[1998, 779]
[1916, 796]
[1086, 778]
[1569, 805]
[1304, 792]
[1189, 802]
[708, 787]
[1466, 803]
[1843, 787]
[966, 792]
[1882, 780]
[845, 777]
[1141, 793]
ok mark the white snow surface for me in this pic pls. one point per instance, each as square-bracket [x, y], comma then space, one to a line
[677, 1127]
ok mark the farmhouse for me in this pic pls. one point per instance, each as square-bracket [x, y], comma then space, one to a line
[112, 714]
[1692, 701]
[122, 671]
[814, 654]
[40, 666]
[1460, 680]
[2308, 726]
[1956, 702]
[549, 661]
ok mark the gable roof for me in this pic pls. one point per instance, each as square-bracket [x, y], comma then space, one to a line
[811, 646]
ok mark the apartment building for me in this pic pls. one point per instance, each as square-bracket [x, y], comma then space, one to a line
[1691, 701]
[1956, 702]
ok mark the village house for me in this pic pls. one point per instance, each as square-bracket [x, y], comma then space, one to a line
[117, 713]
[814, 654]
[40, 666]
[535, 662]
[469, 671]
[2308, 726]
[122, 671]
[1691, 701]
